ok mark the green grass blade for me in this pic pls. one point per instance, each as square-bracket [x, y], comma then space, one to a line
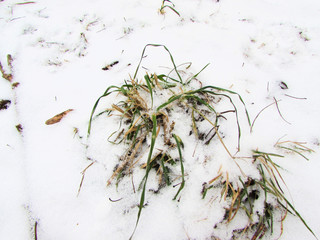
[246, 192]
[231, 92]
[171, 9]
[172, 99]
[106, 93]
[263, 183]
[201, 101]
[165, 171]
[295, 151]
[171, 57]
[148, 81]
[179, 145]
[297, 213]
[196, 75]
[235, 110]
[148, 168]
[264, 153]
[194, 126]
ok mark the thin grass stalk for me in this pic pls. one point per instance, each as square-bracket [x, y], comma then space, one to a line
[171, 57]
[82, 178]
[304, 148]
[232, 92]
[236, 112]
[172, 99]
[171, 9]
[295, 211]
[196, 75]
[194, 126]
[106, 93]
[149, 82]
[270, 171]
[148, 168]
[295, 151]
[214, 179]
[277, 105]
[179, 144]
[254, 120]
[165, 170]
[246, 192]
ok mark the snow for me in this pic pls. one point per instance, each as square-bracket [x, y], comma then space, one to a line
[59, 49]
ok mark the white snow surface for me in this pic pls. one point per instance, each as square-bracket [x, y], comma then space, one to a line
[59, 49]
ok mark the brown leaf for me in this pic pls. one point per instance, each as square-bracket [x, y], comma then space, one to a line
[4, 104]
[57, 118]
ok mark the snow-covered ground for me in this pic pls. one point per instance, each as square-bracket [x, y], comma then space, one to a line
[264, 50]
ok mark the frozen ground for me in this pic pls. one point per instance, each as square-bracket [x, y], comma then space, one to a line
[59, 49]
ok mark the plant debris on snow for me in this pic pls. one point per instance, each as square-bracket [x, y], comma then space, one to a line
[148, 110]
[171, 151]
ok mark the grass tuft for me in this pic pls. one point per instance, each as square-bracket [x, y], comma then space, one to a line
[146, 112]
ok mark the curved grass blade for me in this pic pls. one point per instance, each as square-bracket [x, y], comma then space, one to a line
[232, 92]
[171, 57]
[231, 101]
[293, 209]
[164, 83]
[171, 9]
[149, 82]
[254, 120]
[106, 93]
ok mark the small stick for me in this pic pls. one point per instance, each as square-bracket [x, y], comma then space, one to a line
[117, 200]
[24, 3]
[295, 97]
[36, 230]
[83, 173]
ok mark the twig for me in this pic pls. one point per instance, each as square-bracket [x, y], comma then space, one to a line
[24, 3]
[83, 173]
[295, 97]
[36, 230]
[117, 200]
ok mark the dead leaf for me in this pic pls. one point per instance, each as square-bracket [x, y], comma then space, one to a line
[19, 128]
[4, 104]
[57, 118]
[283, 85]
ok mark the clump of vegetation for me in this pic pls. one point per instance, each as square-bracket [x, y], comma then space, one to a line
[248, 193]
[148, 111]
